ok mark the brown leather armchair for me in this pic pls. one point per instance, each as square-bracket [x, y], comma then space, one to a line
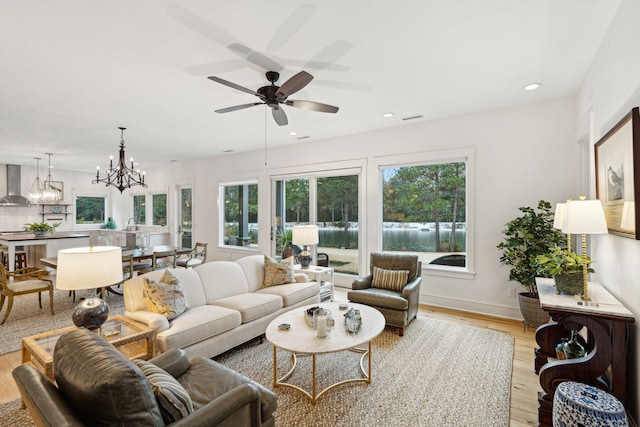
[98, 385]
[398, 307]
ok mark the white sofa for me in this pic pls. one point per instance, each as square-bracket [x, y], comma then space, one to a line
[227, 305]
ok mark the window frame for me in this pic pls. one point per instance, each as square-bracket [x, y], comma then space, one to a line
[107, 208]
[149, 210]
[467, 155]
[221, 214]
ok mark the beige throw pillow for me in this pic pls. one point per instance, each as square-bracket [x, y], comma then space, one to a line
[393, 280]
[165, 297]
[278, 273]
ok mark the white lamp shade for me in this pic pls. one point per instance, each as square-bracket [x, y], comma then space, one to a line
[558, 218]
[305, 235]
[89, 267]
[584, 217]
[628, 220]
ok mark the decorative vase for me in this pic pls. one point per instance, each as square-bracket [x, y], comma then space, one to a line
[571, 283]
[560, 348]
[40, 233]
[287, 251]
[90, 313]
[572, 348]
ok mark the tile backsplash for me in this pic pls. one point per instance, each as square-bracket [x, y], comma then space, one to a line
[13, 218]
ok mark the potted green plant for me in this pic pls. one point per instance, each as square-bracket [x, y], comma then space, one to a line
[40, 228]
[566, 267]
[527, 236]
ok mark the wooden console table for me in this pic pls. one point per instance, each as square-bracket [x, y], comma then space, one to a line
[607, 331]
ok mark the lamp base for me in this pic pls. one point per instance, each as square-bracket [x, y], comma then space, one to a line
[90, 313]
[305, 258]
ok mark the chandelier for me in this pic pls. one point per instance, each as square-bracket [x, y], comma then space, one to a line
[51, 190]
[35, 194]
[121, 177]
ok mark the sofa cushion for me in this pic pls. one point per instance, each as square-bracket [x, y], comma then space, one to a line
[277, 273]
[222, 279]
[101, 383]
[165, 296]
[393, 280]
[253, 267]
[173, 400]
[252, 305]
[293, 293]
[376, 297]
[197, 324]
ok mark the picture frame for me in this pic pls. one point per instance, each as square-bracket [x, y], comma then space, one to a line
[617, 165]
[56, 186]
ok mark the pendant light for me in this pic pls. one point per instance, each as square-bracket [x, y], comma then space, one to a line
[35, 194]
[52, 192]
[121, 176]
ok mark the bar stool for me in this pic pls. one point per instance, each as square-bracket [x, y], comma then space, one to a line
[20, 258]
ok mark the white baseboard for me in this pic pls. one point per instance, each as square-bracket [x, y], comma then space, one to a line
[495, 310]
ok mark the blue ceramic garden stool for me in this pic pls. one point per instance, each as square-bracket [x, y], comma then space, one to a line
[576, 404]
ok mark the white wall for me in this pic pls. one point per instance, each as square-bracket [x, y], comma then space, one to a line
[523, 155]
[610, 89]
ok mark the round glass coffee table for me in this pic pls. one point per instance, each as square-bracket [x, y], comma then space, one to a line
[300, 339]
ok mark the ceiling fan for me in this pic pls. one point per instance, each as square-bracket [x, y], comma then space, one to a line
[275, 96]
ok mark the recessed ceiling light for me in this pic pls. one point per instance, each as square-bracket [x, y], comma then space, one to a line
[292, 133]
[387, 115]
[532, 86]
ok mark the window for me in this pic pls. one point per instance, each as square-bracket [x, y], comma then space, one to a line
[424, 211]
[139, 208]
[91, 209]
[331, 202]
[240, 214]
[159, 203]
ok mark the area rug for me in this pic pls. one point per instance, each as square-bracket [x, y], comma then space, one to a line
[439, 373]
[27, 319]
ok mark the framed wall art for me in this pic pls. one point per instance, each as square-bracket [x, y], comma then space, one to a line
[617, 156]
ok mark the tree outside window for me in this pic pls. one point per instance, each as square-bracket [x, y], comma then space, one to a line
[139, 209]
[91, 209]
[424, 209]
[159, 202]
[240, 214]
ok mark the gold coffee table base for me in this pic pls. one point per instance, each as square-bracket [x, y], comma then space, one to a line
[280, 382]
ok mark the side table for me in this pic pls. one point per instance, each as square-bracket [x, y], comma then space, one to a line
[133, 339]
[607, 332]
[326, 287]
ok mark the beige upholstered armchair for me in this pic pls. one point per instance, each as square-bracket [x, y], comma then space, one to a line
[393, 287]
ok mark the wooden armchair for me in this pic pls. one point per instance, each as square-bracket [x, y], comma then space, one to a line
[161, 260]
[393, 288]
[25, 281]
[197, 256]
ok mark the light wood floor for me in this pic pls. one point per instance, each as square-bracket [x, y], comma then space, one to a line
[524, 382]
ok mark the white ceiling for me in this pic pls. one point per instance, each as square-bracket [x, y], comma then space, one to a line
[73, 71]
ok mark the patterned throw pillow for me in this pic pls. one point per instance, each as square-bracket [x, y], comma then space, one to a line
[393, 280]
[173, 400]
[278, 273]
[165, 297]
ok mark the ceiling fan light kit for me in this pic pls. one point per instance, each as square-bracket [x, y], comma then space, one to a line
[121, 177]
[275, 96]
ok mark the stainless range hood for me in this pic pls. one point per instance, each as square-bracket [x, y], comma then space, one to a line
[13, 197]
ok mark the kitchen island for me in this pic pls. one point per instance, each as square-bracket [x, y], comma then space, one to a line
[41, 246]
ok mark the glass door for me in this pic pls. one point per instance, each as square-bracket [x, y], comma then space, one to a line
[185, 217]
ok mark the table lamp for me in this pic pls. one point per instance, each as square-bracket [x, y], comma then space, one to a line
[305, 236]
[89, 268]
[558, 220]
[584, 217]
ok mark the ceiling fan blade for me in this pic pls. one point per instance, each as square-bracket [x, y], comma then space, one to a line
[233, 85]
[238, 107]
[279, 115]
[294, 84]
[313, 106]
[254, 57]
[290, 26]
